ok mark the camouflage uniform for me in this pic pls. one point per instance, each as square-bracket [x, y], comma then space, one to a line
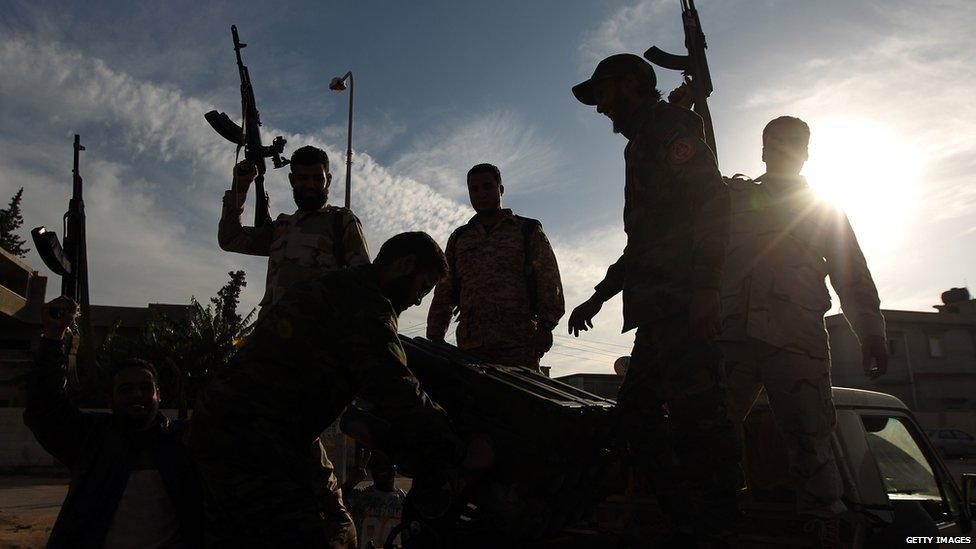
[676, 217]
[255, 427]
[498, 315]
[299, 246]
[784, 242]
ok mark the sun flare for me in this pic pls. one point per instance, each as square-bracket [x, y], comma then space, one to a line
[870, 172]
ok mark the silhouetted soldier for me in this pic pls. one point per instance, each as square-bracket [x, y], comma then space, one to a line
[504, 279]
[784, 242]
[314, 240]
[676, 216]
[323, 343]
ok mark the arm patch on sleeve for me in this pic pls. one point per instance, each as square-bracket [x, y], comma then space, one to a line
[681, 151]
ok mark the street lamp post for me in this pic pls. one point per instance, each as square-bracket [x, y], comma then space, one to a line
[338, 84]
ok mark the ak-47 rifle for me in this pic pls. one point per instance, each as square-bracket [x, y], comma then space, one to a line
[248, 135]
[71, 260]
[694, 65]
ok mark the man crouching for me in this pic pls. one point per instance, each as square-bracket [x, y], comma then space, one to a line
[324, 343]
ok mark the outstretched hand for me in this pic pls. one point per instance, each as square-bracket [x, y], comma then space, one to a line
[874, 356]
[581, 319]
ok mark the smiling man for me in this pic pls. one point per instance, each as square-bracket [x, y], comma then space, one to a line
[324, 343]
[316, 239]
[504, 281]
[132, 481]
[676, 216]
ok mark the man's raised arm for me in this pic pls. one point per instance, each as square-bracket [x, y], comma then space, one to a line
[57, 423]
[232, 235]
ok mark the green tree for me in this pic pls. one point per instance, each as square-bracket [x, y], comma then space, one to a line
[10, 221]
[190, 349]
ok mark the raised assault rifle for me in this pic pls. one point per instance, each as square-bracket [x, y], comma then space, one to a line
[248, 135]
[694, 65]
[71, 260]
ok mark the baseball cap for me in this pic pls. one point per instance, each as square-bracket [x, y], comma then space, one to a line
[612, 67]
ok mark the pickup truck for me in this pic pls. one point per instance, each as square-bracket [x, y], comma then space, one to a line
[549, 486]
[896, 484]
[894, 480]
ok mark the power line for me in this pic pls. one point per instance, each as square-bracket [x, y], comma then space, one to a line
[601, 354]
[424, 323]
[596, 341]
[605, 363]
[582, 345]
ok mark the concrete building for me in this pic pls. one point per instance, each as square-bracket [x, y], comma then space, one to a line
[21, 298]
[932, 362]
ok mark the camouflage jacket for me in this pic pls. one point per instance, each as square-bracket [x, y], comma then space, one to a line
[784, 243]
[676, 215]
[299, 246]
[495, 297]
[325, 342]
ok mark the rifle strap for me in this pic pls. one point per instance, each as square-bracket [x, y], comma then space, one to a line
[338, 232]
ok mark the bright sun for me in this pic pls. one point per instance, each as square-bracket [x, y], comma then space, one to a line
[868, 171]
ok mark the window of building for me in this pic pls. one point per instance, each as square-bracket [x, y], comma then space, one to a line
[893, 344]
[936, 346]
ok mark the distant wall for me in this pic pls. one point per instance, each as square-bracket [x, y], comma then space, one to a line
[19, 450]
[960, 419]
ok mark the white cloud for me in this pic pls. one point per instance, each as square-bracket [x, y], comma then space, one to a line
[441, 159]
[147, 245]
[149, 241]
[627, 31]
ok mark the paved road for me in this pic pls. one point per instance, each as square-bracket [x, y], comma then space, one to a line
[28, 507]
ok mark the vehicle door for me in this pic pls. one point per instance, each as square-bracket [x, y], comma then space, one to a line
[921, 492]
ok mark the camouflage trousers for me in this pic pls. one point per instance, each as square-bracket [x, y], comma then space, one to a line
[673, 421]
[263, 490]
[798, 389]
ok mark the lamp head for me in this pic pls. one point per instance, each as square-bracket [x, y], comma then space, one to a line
[338, 84]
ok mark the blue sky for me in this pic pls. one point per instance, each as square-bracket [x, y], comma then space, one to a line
[886, 87]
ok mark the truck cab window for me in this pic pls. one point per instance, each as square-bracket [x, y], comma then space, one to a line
[906, 473]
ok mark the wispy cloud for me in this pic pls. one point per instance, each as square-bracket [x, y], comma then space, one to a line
[441, 159]
[151, 240]
[627, 30]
